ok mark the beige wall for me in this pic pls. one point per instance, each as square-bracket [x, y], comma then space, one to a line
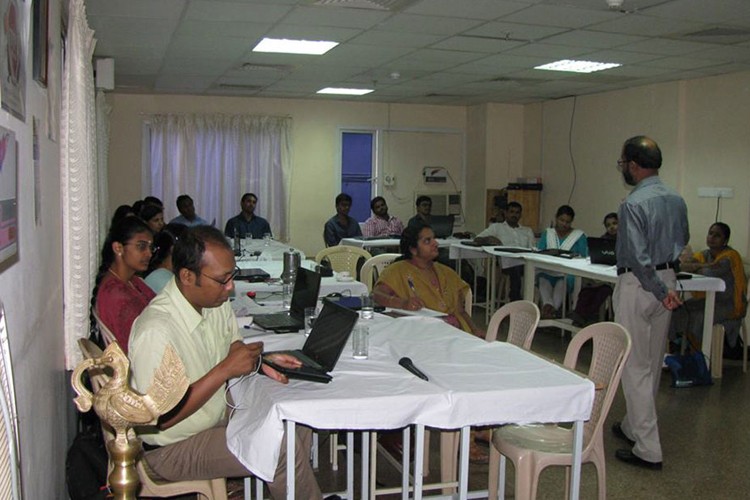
[31, 291]
[316, 149]
[700, 126]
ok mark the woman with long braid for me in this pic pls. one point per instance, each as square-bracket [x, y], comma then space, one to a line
[119, 295]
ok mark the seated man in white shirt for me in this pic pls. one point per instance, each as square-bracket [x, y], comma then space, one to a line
[381, 224]
[192, 313]
[509, 233]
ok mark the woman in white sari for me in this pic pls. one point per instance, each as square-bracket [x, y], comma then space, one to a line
[552, 286]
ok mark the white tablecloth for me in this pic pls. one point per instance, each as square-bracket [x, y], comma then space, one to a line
[274, 250]
[390, 242]
[471, 383]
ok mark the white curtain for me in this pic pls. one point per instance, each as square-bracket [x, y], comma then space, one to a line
[102, 152]
[216, 158]
[79, 180]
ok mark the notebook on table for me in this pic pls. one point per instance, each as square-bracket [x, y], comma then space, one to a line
[442, 225]
[602, 251]
[323, 347]
[305, 294]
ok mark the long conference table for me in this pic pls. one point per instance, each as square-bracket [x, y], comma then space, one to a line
[471, 383]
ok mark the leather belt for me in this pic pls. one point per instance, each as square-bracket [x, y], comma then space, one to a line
[660, 267]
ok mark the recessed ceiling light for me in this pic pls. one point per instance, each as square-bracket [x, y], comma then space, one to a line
[285, 46]
[343, 91]
[577, 66]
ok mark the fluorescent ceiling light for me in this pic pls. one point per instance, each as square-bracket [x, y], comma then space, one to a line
[342, 91]
[284, 46]
[577, 66]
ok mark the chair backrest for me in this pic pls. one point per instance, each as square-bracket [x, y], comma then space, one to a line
[372, 268]
[524, 318]
[610, 352]
[107, 336]
[468, 301]
[343, 258]
[10, 458]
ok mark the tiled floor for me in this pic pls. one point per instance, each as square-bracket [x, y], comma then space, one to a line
[705, 445]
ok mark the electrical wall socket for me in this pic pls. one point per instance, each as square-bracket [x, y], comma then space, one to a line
[389, 180]
[715, 192]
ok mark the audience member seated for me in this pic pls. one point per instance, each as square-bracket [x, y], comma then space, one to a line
[246, 224]
[160, 268]
[192, 314]
[509, 233]
[187, 213]
[552, 286]
[721, 261]
[381, 224]
[341, 226]
[610, 226]
[120, 213]
[424, 212]
[415, 281]
[153, 216]
[119, 295]
[153, 200]
[594, 293]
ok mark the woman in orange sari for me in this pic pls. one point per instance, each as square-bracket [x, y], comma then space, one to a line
[721, 261]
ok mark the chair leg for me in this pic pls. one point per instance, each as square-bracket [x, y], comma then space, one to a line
[448, 458]
[334, 445]
[502, 477]
[717, 351]
[494, 473]
[526, 478]
[248, 484]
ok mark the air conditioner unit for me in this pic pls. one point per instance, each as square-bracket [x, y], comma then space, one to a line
[444, 204]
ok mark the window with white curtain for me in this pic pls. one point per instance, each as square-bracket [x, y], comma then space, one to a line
[215, 159]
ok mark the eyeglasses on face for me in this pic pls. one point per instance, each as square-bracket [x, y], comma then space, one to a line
[224, 282]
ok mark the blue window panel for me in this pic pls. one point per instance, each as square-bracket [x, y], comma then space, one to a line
[356, 171]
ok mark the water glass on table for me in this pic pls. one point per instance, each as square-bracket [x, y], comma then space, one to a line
[267, 239]
[311, 314]
[368, 306]
[286, 292]
[360, 341]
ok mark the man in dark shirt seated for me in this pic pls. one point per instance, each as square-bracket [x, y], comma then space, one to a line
[424, 212]
[341, 225]
[246, 224]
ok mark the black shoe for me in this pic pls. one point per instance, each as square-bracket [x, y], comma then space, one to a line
[628, 457]
[617, 431]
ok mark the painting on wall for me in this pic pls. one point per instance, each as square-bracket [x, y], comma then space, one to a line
[40, 20]
[8, 194]
[12, 71]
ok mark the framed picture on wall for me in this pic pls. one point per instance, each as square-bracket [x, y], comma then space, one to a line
[40, 19]
[8, 195]
[12, 71]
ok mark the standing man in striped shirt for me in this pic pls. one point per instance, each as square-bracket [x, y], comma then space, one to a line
[653, 230]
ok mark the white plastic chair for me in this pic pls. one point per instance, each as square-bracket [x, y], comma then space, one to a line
[534, 447]
[524, 318]
[372, 268]
[107, 336]
[343, 258]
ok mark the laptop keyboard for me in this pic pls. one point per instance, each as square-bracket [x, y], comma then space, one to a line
[277, 320]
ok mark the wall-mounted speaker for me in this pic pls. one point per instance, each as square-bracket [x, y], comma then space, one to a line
[105, 73]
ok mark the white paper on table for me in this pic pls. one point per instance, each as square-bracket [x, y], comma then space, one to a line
[427, 313]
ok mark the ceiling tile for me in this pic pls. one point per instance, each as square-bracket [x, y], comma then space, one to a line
[212, 29]
[592, 39]
[553, 15]
[548, 51]
[235, 12]
[639, 24]
[515, 31]
[409, 23]
[721, 11]
[145, 9]
[183, 83]
[396, 39]
[471, 9]
[335, 16]
[475, 44]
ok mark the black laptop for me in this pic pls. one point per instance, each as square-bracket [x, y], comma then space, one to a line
[442, 225]
[323, 347]
[602, 251]
[306, 288]
[253, 275]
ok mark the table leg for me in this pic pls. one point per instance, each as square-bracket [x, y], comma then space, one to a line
[529, 270]
[708, 324]
[418, 462]
[291, 442]
[365, 463]
[405, 462]
[575, 476]
[490, 293]
[463, 470]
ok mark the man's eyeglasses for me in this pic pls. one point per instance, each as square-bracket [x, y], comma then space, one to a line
[621, 163]
[224, 282]
[143, 245]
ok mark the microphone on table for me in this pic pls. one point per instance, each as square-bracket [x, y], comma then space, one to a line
[409, 365]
